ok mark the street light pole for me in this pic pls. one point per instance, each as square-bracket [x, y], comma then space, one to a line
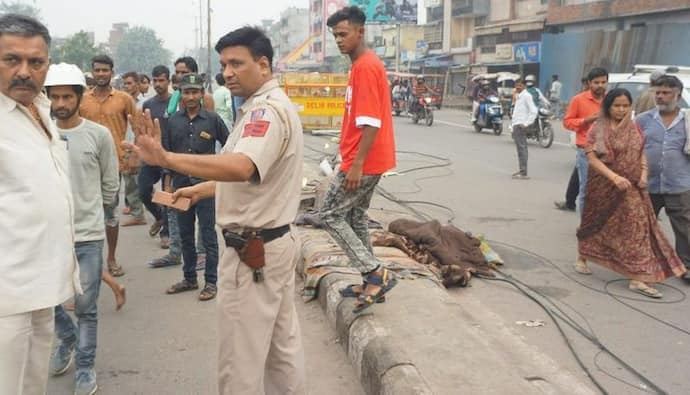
[201, 28]
[208, 40]
[397, 49]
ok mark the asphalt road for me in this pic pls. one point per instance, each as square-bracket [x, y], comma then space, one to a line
[163, 344]
[539, 245]
[166, 344]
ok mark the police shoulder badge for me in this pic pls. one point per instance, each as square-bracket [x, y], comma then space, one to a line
[256, 129]
[257, 115]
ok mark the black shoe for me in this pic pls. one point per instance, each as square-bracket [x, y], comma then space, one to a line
[563, 206]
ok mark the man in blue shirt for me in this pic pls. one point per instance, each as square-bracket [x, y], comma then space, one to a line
[193, 130]
[669, 165]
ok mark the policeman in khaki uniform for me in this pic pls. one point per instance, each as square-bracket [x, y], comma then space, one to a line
[257, 188]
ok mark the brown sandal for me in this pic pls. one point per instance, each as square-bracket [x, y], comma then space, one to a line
[182, 286]
[115, 269]
[209, 292]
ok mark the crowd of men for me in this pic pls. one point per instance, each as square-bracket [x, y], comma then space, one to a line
[67, 149]
[76, 142]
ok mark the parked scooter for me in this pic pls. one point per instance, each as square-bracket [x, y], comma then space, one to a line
[490, 115]
[541, 130]
[422, 110]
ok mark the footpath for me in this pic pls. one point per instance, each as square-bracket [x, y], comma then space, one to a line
[423, 341]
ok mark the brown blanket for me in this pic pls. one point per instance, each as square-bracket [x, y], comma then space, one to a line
[456, 254]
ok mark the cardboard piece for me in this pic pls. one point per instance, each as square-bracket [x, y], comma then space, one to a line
[165, 198]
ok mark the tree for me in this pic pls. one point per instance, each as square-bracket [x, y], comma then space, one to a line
[78, 49]
[140, 50]
[20, 8]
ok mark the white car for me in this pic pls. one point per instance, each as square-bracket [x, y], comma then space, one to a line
[638, 81]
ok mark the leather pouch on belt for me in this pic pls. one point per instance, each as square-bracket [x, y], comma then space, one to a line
[254, 255]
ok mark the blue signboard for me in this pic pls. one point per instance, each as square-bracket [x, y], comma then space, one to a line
[527, 52]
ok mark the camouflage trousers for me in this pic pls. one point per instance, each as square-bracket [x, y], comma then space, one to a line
[344, 216]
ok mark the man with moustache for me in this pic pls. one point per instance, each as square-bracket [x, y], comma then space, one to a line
[39, 269]
[583, 110]
[110, 107]
[94, 179]
[195, 131]
[668, 149]
[257, 192]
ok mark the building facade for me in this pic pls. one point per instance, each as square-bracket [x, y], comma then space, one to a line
[509, 38]
[615, 34]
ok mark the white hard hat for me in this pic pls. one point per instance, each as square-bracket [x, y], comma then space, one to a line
[530, 78]
[64, 74]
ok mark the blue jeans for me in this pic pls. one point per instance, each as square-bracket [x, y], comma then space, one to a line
[174, 233]
[205, 212]
[148, 176]
[582, 166]
[90, 257]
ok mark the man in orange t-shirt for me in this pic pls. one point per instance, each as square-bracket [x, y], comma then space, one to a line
[583, 110]
[367, 147]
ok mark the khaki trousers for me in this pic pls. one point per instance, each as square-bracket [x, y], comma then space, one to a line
[260, 348]
[25, 341]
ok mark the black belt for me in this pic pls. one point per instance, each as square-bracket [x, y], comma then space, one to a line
[267, 235]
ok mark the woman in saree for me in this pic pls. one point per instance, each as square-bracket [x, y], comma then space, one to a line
[619, 230]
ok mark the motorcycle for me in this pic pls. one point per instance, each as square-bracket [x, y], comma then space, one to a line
[399, 106]
[541, 130]
[490, 115]
[423, 110]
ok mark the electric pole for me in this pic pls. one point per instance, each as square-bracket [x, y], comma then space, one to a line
[208, 41]
[201, 29]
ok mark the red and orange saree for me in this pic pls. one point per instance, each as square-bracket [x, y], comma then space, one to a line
[619, 230]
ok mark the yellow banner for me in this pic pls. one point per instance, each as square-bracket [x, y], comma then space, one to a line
[321, 106]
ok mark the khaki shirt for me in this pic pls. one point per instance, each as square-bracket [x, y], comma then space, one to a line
[271, 199]
[111, 113]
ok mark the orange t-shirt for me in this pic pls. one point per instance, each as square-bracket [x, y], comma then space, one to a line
[368, 102]
[582, 105]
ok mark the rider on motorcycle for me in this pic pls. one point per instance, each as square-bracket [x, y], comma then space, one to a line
[539, 99]
[483, 91]
[419, 91]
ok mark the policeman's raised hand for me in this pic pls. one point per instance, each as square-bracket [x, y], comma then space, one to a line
[353, 179]
[147, 146]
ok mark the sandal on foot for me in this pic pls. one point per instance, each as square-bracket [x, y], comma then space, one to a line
[115, 269]
[644, 289]
[351, 292]
[581, 267]
[182, 286]
[382, 278]
[209, 292]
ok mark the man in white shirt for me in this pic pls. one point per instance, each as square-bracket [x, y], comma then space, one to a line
[555, 96]
[524, 114]
[38, 265]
